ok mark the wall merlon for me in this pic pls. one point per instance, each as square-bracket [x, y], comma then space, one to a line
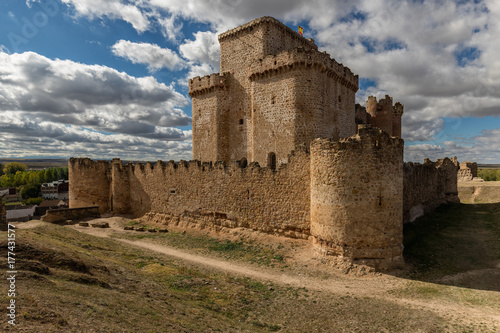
[302, 58]
[201, 85]
[236, 32]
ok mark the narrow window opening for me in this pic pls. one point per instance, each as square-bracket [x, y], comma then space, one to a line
[271, 161]
[273, 99]
[243, 162]
[241, 121]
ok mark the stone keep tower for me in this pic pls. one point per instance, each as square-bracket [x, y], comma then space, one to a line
[276, 91]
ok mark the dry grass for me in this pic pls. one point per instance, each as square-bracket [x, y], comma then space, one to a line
[70, 281]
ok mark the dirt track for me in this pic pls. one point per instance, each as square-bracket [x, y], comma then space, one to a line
[376, 286]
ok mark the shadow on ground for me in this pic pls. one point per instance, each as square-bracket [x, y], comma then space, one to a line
[456, 245]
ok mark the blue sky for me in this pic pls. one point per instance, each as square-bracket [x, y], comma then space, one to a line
[109, 78]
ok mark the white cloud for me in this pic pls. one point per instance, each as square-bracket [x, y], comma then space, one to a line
[131, 12]
[439, 58]
[203, 53]
[72, 106]
[171, 28]
[484, 148]
[151, 55]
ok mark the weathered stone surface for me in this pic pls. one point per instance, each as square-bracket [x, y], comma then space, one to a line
[83, 224]
[139, 229]
[276, 90]
[100, 224]
[467, 171]
[128, 227]
[163, 230]
[61, 215]
[151, 230]
[357, 197]
[428, 185]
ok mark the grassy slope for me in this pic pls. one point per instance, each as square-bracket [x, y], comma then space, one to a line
[73, 282]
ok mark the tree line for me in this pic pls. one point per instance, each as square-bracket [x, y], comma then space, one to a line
[489, 174]
[14, 174]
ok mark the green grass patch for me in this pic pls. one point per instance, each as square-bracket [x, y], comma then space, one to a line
[256, 253]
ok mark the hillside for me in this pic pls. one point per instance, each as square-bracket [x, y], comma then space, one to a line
[77, 279]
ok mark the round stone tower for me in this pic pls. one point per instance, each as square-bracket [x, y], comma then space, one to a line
[357, 197]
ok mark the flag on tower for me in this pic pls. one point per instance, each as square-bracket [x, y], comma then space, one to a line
[301, 31]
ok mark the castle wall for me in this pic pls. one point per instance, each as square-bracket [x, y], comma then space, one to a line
[120, 188]
[243, 47]
[297, 96]
[381, 114]
[238, 50]
[210, 118]
[273, 117]
[357, 197]
[427, 186]
[252, 197]
[89, 184]
[467, 171]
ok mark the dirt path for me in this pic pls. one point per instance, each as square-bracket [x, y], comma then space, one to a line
[367, 286]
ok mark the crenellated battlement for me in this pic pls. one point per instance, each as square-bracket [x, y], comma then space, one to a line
[398, 109]
[202, 85]
[367, 135]
[382, 114]
[301, 58]
[250, 26]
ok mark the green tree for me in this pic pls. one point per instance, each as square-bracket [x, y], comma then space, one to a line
[31, 191]
[35, 201]
[1, 169]
[13, 167]
[7, 180]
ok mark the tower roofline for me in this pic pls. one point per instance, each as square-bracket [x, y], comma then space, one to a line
[263, 20]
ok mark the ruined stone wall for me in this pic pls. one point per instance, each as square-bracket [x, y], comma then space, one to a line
[215, 194]
[89, 184]
[427, 186]
[357, 197]
[382, 114]
[467, 171]
[61, 215]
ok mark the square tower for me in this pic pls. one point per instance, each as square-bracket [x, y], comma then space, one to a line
[276, 92]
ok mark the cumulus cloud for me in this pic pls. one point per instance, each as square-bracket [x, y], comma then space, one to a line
[151, 55]
[67, 103]
[129, 11]
[484, 148]
[439, 58]
[202, 53]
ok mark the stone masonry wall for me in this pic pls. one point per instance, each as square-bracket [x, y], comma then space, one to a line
[234, 112]
[427, 186]
[89, 184]
[357, 197]
[467, 171]
[214, 194]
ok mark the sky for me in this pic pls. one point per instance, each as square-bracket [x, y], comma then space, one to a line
[107, 79]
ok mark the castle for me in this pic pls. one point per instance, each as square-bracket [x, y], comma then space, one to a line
[279, 146]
